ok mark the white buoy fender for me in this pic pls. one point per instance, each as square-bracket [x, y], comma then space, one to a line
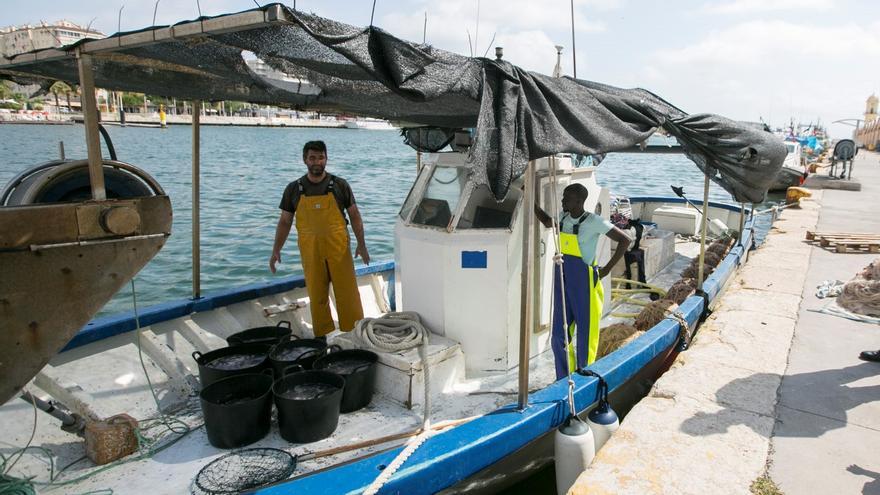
[603, 422]
[574, 449]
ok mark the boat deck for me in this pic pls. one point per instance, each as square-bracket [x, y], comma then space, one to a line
[111, 380]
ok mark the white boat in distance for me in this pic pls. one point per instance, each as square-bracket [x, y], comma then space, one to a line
[370, 124]
[468, 259]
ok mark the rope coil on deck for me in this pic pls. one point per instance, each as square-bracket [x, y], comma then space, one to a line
[393, 332]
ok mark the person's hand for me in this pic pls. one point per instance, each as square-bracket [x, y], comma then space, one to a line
[276, 258]
[604, 271]
[362, 252]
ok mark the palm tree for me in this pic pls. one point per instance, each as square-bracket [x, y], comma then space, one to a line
[5, 90]
[60, 87]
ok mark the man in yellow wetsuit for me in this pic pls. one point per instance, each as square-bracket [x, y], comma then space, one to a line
[579, 233]
[318, 201]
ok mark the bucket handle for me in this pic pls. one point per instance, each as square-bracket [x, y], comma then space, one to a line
[309, 354]
[283, 322]
[197, 358]
[362, 368]
[288, 369]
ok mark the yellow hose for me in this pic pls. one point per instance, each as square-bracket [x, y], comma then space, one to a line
[624, 315]
[632, 300]
[636, 282]
[659, 291]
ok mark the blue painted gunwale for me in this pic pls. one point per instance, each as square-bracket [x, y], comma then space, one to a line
[109, 326]
[455, 455]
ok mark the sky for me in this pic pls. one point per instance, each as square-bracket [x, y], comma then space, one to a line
[770, 60]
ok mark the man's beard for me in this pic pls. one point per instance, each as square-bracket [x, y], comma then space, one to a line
[316, 170]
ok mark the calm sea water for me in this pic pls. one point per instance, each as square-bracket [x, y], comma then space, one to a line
[244, 171]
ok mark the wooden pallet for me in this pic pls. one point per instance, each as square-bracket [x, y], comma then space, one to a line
[845, 242]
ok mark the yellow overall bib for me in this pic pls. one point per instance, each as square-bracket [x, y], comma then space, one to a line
[595, 298]
[322, 236]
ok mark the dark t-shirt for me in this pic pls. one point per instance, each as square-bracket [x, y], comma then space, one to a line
[341, 190]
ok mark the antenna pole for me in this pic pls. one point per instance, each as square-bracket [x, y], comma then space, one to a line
[574, 65]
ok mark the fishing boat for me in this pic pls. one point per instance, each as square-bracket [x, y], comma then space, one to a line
[793, 171]
[480, 393]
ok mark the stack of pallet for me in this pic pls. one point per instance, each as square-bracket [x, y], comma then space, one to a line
[847, 242]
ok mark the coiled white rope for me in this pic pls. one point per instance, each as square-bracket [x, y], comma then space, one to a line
[394, 332]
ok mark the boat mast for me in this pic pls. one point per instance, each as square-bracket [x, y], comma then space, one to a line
[526, 295]
[703, 233]
[90, 119]
[196, 220]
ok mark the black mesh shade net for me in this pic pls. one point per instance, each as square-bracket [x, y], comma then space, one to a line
[516, 115]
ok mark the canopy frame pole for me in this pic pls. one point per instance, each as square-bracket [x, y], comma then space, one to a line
[90, 120]
[526, 290]
[196, 218]
[703, 224]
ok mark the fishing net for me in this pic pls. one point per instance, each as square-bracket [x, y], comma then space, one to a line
[654, 313]
[615, 336]
[681, 290]
[691, 271]
[717, 248]
[243, 470]
[862, 294]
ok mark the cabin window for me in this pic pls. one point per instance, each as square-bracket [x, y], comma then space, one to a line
[442, 192]
[484, 212]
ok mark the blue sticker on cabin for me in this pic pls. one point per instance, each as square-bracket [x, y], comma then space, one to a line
[474, 259]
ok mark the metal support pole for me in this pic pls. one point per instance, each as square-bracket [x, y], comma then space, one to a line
[703, 226]
[61, 149]
[196, 221]
[742, 221]
[536, 263]
[90, 119]
[527, 276]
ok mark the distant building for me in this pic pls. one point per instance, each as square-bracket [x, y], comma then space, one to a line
[21, 39]
[280, 79]
[871, 109]
[869, 134]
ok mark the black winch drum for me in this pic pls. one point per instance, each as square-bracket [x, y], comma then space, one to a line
[360, 382]
[308, 420]
[237, 409]
[209, 374]
[305, 351]
[65, 180]
[262, 335]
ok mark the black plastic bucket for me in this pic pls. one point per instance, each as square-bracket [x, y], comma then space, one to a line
[358, 367]
[262, 335]
[237, 409]
[298, 351]
[222, 363]
[315, 413]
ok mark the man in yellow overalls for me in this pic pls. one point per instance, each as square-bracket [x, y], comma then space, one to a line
[579, 233]
[319, 201]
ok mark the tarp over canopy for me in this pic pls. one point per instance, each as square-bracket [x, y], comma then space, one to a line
[334, 67]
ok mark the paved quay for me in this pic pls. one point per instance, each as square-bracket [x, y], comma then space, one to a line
[768, 386]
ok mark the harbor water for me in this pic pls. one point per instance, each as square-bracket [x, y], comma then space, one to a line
[244, 171]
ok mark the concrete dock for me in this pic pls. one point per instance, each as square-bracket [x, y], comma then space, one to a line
[769, 387]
